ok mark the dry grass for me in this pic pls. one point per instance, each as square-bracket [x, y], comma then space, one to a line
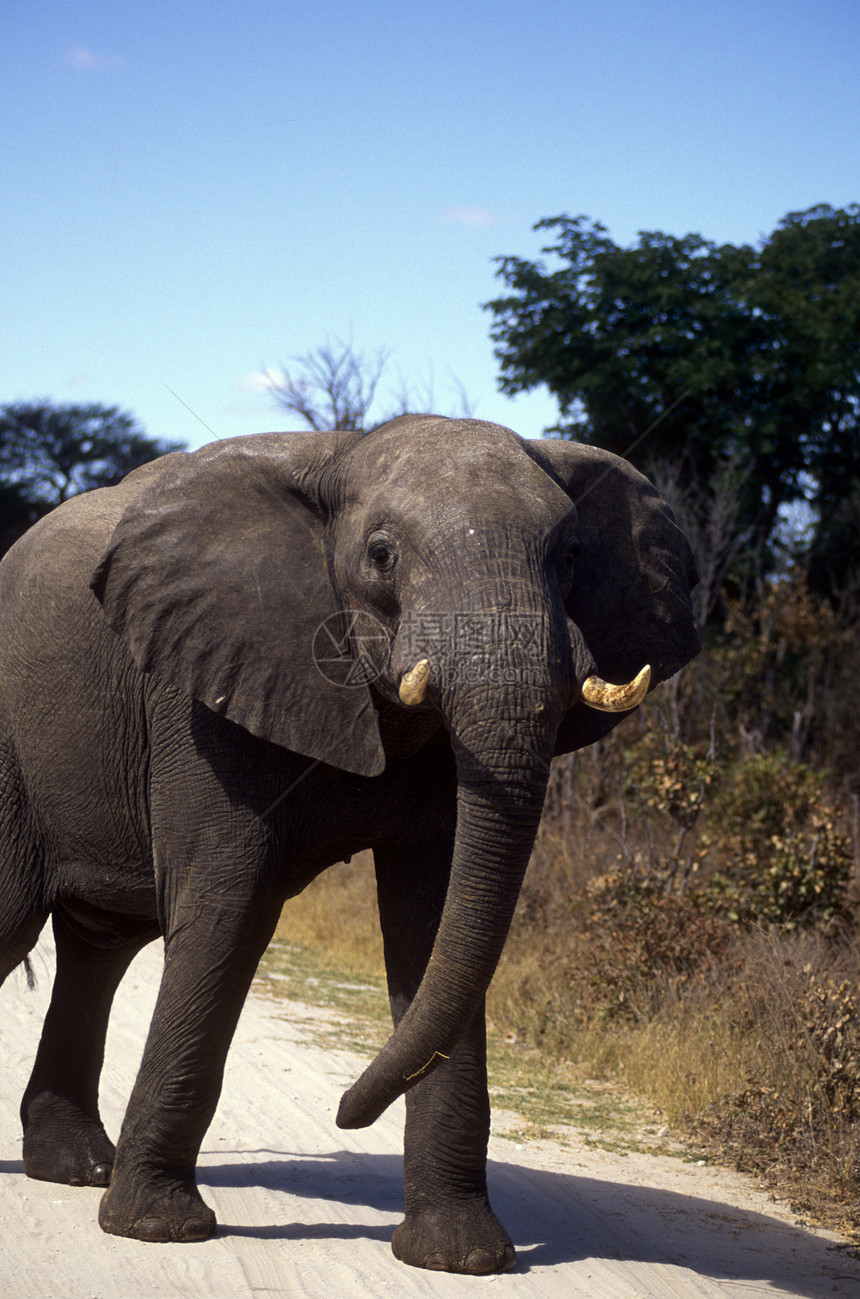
[337, 917]
[789, 1110]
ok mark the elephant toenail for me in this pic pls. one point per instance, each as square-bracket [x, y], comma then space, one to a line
[195, 1229]
[100, 1175]
[479, 1262]
[153, 1230]
[437, 1263]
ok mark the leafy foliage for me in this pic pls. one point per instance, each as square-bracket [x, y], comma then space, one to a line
[49, 453]
[17, 514]
[642, 938]
[777, 662]
[671, 777]
[703, 357]
[806, 878]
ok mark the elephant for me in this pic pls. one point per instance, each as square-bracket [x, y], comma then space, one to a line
[244, 663]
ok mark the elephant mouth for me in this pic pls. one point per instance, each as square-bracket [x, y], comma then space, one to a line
[595, 692]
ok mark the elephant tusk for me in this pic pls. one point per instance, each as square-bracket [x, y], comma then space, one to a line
[616, 699]
[413, 687]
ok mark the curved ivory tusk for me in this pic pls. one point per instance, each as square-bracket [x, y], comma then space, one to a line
[413, 687]
[616, 699]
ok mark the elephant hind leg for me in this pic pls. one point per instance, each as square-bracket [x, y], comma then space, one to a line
[21, 923]
[23, 905]
[64, 1139]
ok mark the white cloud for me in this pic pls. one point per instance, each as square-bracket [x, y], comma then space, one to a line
[258, 381]
[468, 216]
[86, 60]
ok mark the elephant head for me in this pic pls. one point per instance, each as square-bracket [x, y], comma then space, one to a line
[345, 596]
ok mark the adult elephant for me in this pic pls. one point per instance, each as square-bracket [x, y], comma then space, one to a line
[307, 645]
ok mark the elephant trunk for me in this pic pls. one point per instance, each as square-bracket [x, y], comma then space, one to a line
[500, 799]
[503, 729]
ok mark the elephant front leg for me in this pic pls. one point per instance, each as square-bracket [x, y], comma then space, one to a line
[449, 1224]
[209, 964]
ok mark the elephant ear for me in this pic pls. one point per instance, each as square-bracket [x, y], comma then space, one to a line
[218, 578]
[633, 576]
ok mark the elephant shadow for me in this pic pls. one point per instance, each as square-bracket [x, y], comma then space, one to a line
[557, 1218]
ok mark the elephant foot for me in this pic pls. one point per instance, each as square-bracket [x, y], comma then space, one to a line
[460, 1238]
[163, 1210]
[63, 1145]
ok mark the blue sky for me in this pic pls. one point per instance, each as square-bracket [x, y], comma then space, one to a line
[193, 192]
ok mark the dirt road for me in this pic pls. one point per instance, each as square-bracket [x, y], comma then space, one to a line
[307, 1210]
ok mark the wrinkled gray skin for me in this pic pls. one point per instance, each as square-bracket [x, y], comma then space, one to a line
[173, 762]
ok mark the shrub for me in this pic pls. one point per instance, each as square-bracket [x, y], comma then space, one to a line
[780, 855]
[796, 1116]
[643, 938]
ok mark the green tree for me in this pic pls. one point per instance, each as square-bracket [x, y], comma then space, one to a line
[49, 453]
[709, 358]
[16, 515]
[809, 286]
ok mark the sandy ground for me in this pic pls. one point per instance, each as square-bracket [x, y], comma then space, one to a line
[306, 1210]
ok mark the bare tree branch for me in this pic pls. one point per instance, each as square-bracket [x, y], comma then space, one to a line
[710, 516]
[334, 387]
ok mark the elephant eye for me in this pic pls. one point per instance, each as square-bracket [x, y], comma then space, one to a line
[382, 554]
